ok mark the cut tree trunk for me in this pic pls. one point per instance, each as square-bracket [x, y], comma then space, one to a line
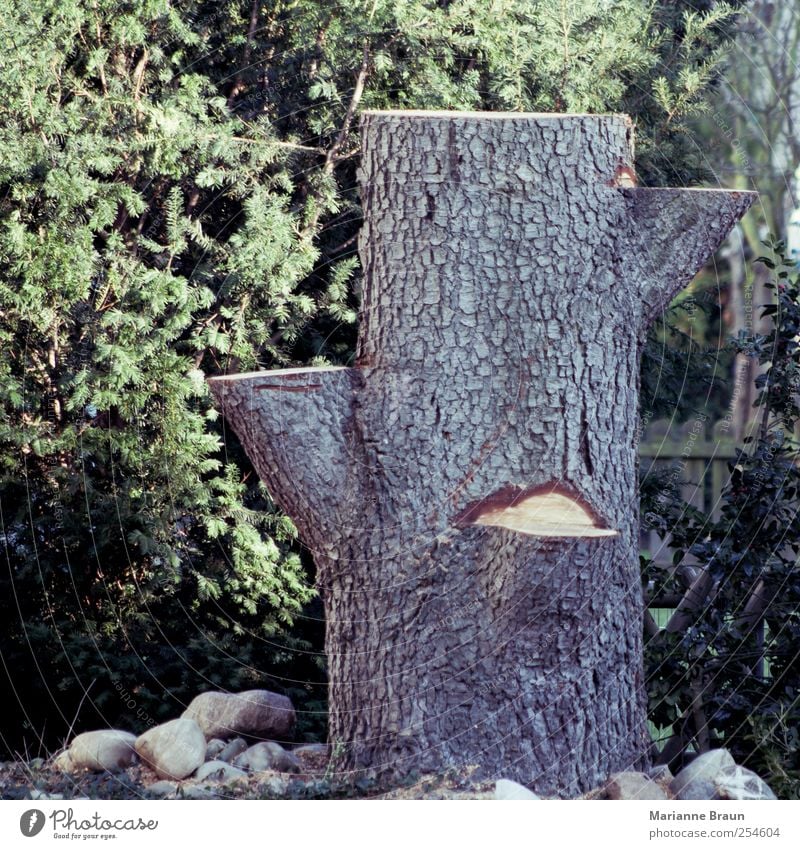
[469, 488]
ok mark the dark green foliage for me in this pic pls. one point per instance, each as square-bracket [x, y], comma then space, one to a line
[145, 232]
[691, 39]
[726, 678]
[686, 362]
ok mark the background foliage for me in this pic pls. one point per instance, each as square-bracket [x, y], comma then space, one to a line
[727, 680]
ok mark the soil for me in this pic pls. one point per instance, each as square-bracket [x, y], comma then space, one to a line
[38, 779]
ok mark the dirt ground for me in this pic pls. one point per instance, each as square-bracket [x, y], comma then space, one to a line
[39, 780]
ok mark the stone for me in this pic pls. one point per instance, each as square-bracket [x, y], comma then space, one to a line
[661, 774]
[159, 789]
[63, 761]
[633, 785]
[235, 747]
[199, 791]
[257, 713]
[264, 756]
[316, 750]
[173, 750]
[740, 784]
[313, 756]
[102, 751]
[44, 796]
[696, 780]
[511, 791]
[213, 748]
[218, 771]
[274, 785]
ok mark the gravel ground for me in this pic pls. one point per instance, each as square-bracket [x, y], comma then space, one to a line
[38, 780]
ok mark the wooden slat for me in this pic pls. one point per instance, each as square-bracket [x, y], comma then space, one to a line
[705, 470]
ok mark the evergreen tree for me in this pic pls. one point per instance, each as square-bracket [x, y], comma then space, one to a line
[142, 225]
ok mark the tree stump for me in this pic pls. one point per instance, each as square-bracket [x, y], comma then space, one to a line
[468, 488]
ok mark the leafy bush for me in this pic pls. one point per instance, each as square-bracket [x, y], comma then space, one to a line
[733, 677]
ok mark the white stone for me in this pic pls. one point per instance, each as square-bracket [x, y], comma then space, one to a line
[63, 761]
[258, 713]
[275, 785]
[511, 791]
[316, 750]
[198, 791]
[633, 785]
[740, 784]
[102, 751]
[218, 771]
[661, 774]
[173, 750]
[696, 781]
[264, 756]
[213, 748]
[234, 748]
[162, 788]
[43, 796]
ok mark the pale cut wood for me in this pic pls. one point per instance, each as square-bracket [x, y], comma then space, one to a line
[508, 285]
[546, 514]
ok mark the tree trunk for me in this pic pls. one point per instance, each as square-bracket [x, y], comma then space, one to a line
[469, 488]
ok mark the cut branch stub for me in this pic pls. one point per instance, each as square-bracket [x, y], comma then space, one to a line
[548, 511]
[469, 487]
[269, 410]
[671, 232]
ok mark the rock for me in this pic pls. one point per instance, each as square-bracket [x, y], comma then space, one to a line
[264, 756]
[740, 784]
[63, 762]
[274, 785]
[660, 773]
[173, 750]
[36, 763]
[162, 788]
[313, 750]
[633, 785]
[511, 791]
[218, 771]
[43, 796]
[198, 791]
[696, 781]
[313, 756]
[234, 748]
[213, 748]
[257, 713]
[102, 751]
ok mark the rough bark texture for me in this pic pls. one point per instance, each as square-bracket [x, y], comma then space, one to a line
[508, 285]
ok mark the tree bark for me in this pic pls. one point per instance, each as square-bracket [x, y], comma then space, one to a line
[509, 282]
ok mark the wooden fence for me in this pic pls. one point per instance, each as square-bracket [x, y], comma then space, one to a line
[698, 456]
